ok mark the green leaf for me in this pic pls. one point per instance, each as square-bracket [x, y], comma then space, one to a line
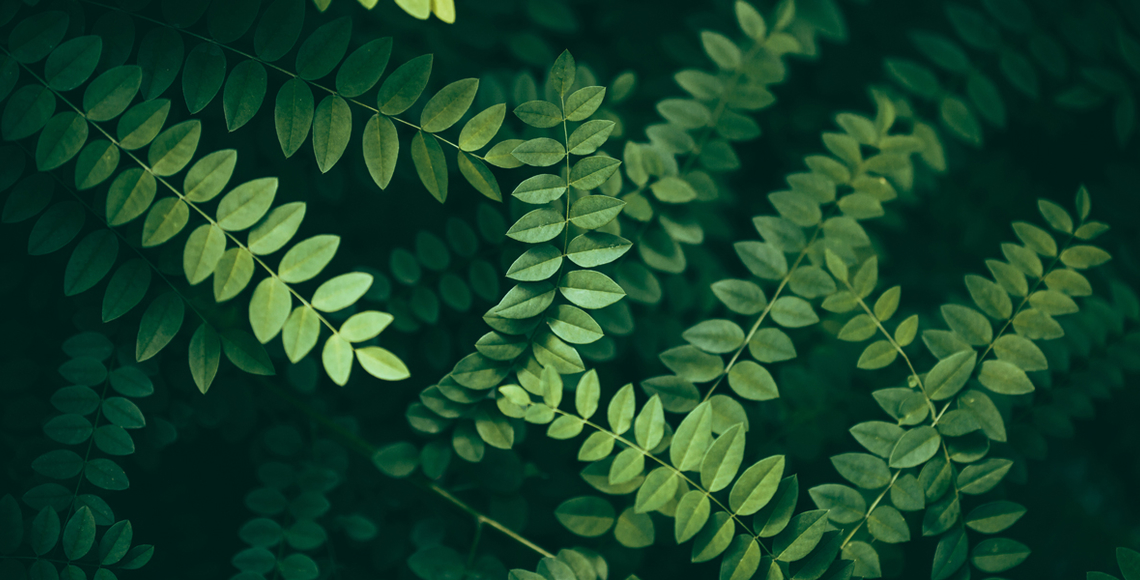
[995, 555]
[174, 148]
[862, 469]
[691, 514]
[243, 94]
[757, 486]
[396, 460]
[430, 164]
[586, 139]
[332, 127]
[203, 250]
[481, 128]
[586, 516]
[994, 517]
[1083, 256]
[126, 289]
[341, 292]
[793, 312]
[91, 260]
[983, 476]
[122, 412]
[245, 204]
[160, 322]
[242, 349]
[803, 533]
[382, 364]
[628, 464]
[594, 249]
[381, 149]
[540, 152]
[752, 381]
[877, 355]
[115, 543]
[950, 374]
[73, 62]
[165, 220]
[363, 68]
[58, 464]
[958, 117]
[591, 172]
[844, 504]
[714, 537]
[536, 264]
[762, 259]
[990, 297]
[44, 532]
[61, 139]
[27, 111]
[479, 176]
[114, 440]
[273, 232]
[1129, 562]
[130, 195]
[336, 357]
[79, 533]
[721, 462]
[1057, 217]
[595, 211]
[915, 447]
[539, 113]
[205, 355]
[111, 93]
[500, 154]
[563, 73]
[1004, 378]
[878, 437]
[323, 49]
[278, 29]
[209, 175]
[202, 75]
[590, 289]
[715, 336]
[540, 189]
[587, 394]
[359, 327]
[403, 87]
[95, 164]
[269, 307]
[55, 228]
[293, 115]
[142, 123]
[968, 323]
[886, 524]
[659, 488]
[584, 102]
[300, 333]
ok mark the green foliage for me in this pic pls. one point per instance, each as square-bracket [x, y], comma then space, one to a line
[620, 277]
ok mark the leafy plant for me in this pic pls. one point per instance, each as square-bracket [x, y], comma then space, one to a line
[692, 351]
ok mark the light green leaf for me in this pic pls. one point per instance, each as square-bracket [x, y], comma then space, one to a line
[160, 322]
[481, 128]
[403, 87]
[886, 524]
[336, 357]
[844, 504]
[341, 292]
[574, 325]
[950, 374]
[715, 336]
[587, 394]
[659, 488]
[1020, 352]
[756, 486]
[752, 381]
[540, 152]
[1004, 378]
[306, 259]
[203, 250]
[994, 517]
[142, 123]
[382, 364]
[563, 73]
[363, 326]
[536, 264]
[232, 274]
[968, 323]
[269, 307]
[720, 464]
[300, 333]
[877, 355]
[586, 139]
[1084, 256]
[594, 249]
[862, 469]
[1056, 215]
[714, 538]
[245, 204]
[539, 113]
[583, 102]
[793, 312]
[209, 175]
[691, 514]
[273, 232]
[595, 211]
[590, 289]
[479, 176]
[592, 172]
[174, 148]
[803, 533]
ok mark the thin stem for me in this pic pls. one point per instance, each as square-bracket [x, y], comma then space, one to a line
[874, 505]
[177, 193]
[275, 67]
[768, 308]
[676, 471]
[368, 450]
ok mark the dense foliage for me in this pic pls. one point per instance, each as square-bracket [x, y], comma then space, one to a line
[569, 289]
